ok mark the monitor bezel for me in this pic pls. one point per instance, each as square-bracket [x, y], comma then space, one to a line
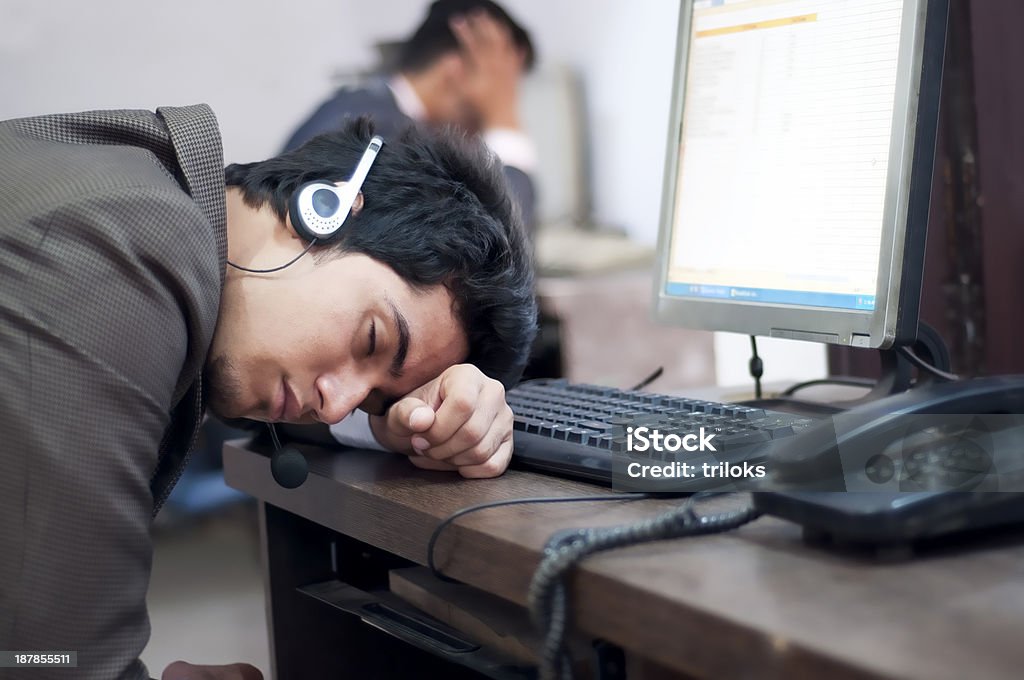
[905, 213]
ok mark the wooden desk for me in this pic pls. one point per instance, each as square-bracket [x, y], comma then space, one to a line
[754, 603]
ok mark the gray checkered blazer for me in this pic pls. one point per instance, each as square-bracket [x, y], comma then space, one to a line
[112, 249]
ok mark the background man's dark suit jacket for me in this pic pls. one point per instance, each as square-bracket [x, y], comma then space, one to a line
[112, 252]
[375, 99]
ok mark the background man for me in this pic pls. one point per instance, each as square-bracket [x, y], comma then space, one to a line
[462, 66]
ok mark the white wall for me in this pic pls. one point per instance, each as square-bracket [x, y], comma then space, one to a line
[240, 56]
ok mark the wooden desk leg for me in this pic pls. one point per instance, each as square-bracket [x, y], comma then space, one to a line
[303, 637]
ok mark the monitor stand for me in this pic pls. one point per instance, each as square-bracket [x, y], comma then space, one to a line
[897, 371]
[897, 376]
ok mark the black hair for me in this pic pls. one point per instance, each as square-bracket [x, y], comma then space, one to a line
[434, 36]
[436, 211]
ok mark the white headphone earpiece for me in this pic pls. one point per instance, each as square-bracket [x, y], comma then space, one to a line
[318, 209]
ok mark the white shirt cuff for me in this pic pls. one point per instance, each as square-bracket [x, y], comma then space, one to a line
[513, 147]
[355, 431]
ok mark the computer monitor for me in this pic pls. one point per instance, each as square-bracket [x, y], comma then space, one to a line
[799, 168]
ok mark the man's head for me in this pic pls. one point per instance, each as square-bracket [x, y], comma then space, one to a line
[432, 270]
[439, 66]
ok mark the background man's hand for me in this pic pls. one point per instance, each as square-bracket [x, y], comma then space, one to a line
[180, 670]
[458, 421]
[495, 66]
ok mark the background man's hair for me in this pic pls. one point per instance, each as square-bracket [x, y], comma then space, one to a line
[434, 36]
[437, 211]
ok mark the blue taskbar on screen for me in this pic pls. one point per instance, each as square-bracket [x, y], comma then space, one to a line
[772, 296]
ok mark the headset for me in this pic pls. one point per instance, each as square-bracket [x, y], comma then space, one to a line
[318, 210]
[287, 465]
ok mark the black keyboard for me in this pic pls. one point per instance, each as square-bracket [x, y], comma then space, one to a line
[578, 430]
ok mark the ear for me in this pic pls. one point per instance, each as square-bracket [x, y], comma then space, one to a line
[452, 69]
[289, 229]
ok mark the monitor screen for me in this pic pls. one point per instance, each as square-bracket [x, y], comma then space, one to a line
[799, 169]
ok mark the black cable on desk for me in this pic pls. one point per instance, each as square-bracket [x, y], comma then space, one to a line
[548, 596]
[649, 379]
[432, 543]
[849, 381]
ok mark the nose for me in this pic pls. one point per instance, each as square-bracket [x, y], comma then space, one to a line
[339, 397]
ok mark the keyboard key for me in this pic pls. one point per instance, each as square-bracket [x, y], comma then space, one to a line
[561, 431]
[735, 439]
[596, 425]
[780, 431]
[578, 435]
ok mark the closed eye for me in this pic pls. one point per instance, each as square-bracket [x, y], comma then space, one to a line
[373, 338]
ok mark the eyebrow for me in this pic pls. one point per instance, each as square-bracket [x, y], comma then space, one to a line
[398, 362]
